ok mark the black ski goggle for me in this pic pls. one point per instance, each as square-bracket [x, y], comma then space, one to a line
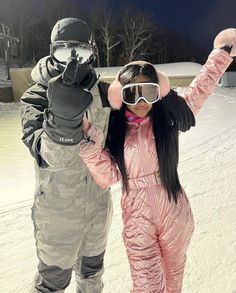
[62, 50]
[132, 93]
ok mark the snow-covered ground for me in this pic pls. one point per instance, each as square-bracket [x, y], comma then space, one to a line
[179, 69]
[207, 171]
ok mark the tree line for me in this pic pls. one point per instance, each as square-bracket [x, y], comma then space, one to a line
[122, 33]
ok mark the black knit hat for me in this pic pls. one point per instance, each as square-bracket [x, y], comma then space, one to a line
[71, 29]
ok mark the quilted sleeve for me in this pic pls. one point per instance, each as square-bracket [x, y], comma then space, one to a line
[206, 80]
[98, 160]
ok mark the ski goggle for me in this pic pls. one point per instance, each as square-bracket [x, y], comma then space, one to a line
[132, 93]
[62, 50]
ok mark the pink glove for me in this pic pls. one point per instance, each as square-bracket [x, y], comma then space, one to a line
[226, 37]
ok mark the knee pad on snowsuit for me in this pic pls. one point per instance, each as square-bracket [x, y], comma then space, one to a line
[90, 265]
[52, 278]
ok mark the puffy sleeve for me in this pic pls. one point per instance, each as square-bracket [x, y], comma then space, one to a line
[33, 103]
[46, 152]
[98, 160]
[206, 80]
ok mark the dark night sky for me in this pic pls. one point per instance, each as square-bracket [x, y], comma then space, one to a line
[200, 19]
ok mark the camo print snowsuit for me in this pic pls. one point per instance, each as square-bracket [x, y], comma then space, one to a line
[71, 213]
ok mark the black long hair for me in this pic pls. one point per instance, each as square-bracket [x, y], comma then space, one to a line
[166, 136]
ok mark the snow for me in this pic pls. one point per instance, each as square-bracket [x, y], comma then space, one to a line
[171, 69]
[208, 173]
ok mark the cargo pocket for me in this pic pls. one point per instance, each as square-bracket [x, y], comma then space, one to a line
[43, 179]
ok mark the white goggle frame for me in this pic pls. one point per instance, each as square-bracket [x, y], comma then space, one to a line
[150, 93]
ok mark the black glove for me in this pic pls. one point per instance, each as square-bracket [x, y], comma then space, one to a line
[67, 102]
[177, 112]
[227, 48]
[83, 75]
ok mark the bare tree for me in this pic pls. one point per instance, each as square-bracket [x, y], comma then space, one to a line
[20, 19]
[121, 34]
[23, 37]
[136, 31]
[9, 42]
[109, 38]
[103, 23]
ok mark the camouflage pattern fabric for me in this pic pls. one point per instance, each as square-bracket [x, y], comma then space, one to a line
[71, 214]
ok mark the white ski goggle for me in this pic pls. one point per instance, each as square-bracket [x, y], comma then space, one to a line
[132, 93]
[62, 50]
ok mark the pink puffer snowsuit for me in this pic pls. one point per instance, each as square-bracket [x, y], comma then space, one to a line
[156, 231]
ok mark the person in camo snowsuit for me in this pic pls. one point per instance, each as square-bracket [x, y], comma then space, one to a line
[142, 152]
[71, 213]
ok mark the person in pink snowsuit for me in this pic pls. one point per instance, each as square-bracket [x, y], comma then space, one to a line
[142, 152]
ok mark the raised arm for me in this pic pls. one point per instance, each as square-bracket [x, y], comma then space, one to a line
[218, 61]
[52, 118]
[206, 80]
